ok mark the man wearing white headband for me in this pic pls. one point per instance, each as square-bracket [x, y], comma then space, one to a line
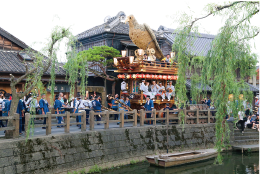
[170, 91]
[161, 91]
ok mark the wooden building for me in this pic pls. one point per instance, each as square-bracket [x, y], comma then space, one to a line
[12, 61]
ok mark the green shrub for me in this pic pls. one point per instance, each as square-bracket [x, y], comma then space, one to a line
[95, 169]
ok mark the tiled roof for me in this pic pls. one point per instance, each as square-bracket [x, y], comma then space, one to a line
[11, 63]
[201, 44]
[107, 26]
[253, 88]
[188, 85]
[12, 38]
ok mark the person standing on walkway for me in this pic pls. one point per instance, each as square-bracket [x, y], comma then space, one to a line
[115, 106]
[149, 107]
[97, 108]
[57, 108]
[5, 108]
[242, 119]
[76, 110]
[44, 108]
[120, 106]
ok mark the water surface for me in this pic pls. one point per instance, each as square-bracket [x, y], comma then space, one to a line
[234, 163]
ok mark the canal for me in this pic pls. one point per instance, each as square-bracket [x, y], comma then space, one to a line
[234, 163]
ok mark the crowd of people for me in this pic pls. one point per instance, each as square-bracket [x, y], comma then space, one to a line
[29, 104]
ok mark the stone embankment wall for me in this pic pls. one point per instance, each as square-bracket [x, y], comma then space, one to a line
[105, 148]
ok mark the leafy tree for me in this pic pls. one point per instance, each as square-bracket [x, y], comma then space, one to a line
[40, 65]
[230, 52]
[99, 56]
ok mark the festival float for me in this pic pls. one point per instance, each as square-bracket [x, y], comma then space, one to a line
[134, 69]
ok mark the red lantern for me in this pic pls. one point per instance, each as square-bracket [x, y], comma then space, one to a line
[147, 76]
[142, 75]
[138, 76]
[169, 77]
[122, 76]
[160, 76]
[128, 76]
[152, 76]
[173, 77]
[156, 77]
[134, 76]
[176, 77]
[164, 77]
[119, 76]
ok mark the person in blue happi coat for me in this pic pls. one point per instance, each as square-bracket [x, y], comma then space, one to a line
[57, 108]
[44, 107]
[167, 107]
[5, 108]
[76, 110]
[115, 106]
[20, 111]
[120, 106]
[148, 107]
[97, 108]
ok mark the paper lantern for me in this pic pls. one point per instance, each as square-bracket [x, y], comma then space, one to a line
[139, 76]
[164, 77]
[122, 76]
[152, 76]
[119, 76]
[134, 76]
[123, 52]
[169, 77]
[156, 77]
[160, 77]
[115, 61]
[142, 75]
[128, 76]
[131, 59]
[148, 76]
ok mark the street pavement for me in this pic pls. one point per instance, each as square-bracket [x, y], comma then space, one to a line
[73, 128]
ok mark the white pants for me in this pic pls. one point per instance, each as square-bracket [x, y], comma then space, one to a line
[162, 95]
[152, 96]
[170, 94]
[147, 93]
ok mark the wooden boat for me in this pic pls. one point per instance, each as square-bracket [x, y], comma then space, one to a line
[174, 159]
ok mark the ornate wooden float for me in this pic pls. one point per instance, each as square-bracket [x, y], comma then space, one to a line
[175, 159]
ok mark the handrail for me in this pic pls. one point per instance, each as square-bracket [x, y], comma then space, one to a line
[166, 116]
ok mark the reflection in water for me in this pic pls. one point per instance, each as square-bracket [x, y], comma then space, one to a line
[234, 163]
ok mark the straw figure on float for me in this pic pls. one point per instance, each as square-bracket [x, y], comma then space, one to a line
[143, 36]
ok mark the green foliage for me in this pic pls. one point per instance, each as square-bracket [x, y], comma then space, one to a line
[230, 52]
[132, 162]
[42, 64]
[95, 169]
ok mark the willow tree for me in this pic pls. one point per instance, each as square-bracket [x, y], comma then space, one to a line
[95, 60]
[230, 53]
[38, 67]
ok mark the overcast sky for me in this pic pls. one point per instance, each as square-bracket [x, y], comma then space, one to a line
[32, 21]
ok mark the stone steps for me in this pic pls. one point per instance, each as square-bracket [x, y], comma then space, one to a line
[246, 141]
[248, 136]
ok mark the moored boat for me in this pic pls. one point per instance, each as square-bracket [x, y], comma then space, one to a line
[174, 159]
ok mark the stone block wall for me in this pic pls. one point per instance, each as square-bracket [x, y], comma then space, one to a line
[105, 148]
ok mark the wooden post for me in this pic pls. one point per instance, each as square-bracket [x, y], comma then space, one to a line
[48, 123]
[167, 117]
[122, 119]
[209, 115]
[107, 120]
[27, 119]
[154, 116]
[185, 116]
[16, 125]
[135, 118]
[67, 121]
[197, 114]
[141, 117]
[84, 121]
[142, 97]
[91, 120]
